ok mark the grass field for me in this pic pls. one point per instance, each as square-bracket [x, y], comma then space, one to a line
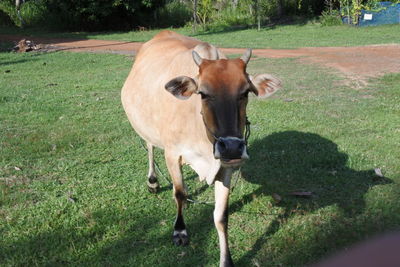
[72, 171]
[280, 36]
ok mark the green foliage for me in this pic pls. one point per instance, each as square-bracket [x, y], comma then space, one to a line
[221, 15]
[330, 18]
[94, 15]
[173, 14]
[353, 8]
[8, 13]
[205, 11]
[83, 14]
[5, 19]
[268, 9]
[120, 15]
[213, 15]
[33, 12]
[228, 18]
[216, 15]
[356, 10]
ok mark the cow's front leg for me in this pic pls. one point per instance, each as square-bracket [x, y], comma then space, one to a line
[222, 185]
[180, 236]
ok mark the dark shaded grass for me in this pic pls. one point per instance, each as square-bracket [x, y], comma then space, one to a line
[299, 161]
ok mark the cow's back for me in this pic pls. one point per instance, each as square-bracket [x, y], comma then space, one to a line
[150, 108]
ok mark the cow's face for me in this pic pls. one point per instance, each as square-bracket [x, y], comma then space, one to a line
[224, 86]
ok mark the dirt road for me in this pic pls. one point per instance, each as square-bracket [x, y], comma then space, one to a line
[356, 63]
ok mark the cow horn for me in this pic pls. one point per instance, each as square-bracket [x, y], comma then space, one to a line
[214, 53]
[196, 57]
[246, 56]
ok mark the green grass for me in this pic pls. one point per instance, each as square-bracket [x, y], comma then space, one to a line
[72, 171]
[281, 36]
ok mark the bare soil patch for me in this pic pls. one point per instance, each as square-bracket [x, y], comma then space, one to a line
[356, 63]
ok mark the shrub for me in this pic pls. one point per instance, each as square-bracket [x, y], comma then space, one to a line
[332, 18]
[7, 9]
[173, 14]
[33, 12]
[83, 14]
[5, 19]
[228, 18]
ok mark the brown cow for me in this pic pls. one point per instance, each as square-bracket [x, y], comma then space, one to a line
[184, 96]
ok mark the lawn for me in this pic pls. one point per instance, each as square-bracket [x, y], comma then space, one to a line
[73, 173]
[279, 36]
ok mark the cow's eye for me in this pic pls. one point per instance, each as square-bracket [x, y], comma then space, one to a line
[203, 95]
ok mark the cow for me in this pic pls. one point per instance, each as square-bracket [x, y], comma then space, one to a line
[185, 97]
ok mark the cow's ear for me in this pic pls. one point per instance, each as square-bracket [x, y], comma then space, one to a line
[181, 87]
[264, 85]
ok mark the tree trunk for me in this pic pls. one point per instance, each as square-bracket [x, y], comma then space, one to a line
[235, 3]
[279, 8]
[17, 7]
[255, 7]
[257, 17]
[195, 2]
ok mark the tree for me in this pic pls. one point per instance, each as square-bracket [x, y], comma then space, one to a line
[195, 5]
[18, 8]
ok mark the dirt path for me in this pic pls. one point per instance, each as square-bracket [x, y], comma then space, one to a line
[356, 63]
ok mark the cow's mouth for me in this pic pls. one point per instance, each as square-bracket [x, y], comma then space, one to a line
[232, 162]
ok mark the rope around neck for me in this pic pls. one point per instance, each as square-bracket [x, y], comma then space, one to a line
[237, 173]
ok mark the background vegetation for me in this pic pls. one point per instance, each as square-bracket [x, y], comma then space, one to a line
[212, 15]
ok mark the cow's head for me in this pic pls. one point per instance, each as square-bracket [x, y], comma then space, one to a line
[224, 86]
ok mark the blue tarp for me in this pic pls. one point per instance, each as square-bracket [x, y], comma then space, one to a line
[390, 14]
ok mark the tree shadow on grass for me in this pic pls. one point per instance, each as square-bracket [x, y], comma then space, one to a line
[293, 161]
[116, 237]
[158, 249]
[68, 245]
[147, 241]
[14, 62]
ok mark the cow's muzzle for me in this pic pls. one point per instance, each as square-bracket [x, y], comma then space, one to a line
[230, 150]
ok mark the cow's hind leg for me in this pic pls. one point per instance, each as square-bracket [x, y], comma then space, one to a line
[180, 236]
[152, 182]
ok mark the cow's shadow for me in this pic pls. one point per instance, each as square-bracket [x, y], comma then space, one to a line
[279, 163]
[293, 161]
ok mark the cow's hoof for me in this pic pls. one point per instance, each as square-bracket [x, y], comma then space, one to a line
[153, 187]
[180, 238]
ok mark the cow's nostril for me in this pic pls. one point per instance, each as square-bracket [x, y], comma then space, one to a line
[229, 148]
[221, 145]
[241, 147]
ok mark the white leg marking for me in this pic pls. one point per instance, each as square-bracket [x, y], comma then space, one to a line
[151, 160]
[222, 186]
